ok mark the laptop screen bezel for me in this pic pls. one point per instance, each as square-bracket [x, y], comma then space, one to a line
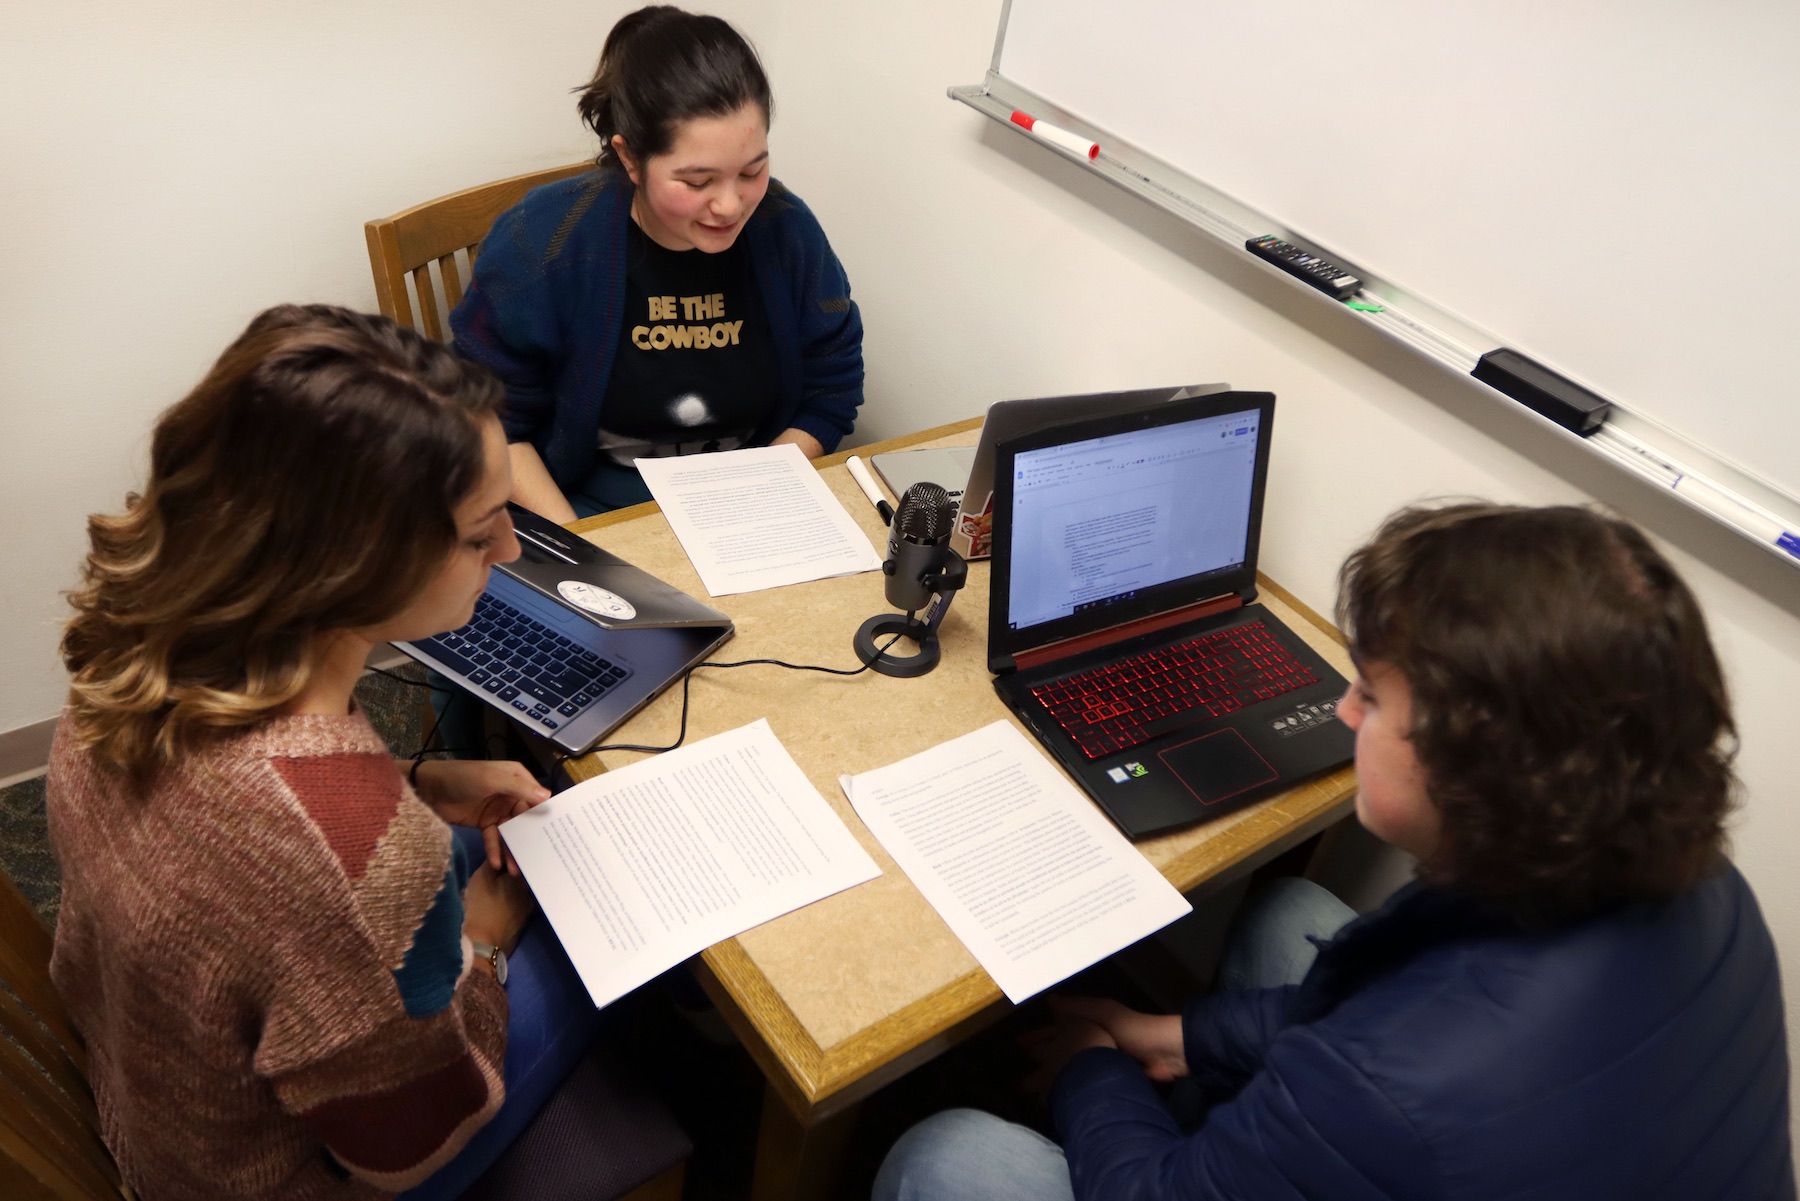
[1006, 644]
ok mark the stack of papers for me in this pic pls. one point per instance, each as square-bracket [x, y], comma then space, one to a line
[649, 865]
[758, 518]
[1021, 866]
[646, 866]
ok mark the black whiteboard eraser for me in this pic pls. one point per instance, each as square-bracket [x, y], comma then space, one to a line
[1542, 390]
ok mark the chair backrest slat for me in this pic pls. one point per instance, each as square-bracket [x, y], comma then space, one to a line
[64, 1064]
[37, 1171]
[390, 277]
[25, 966]
[50, 1143]
[409, 241]
[428, 310]
[52, 1121]
[22, 931]
[452, 284]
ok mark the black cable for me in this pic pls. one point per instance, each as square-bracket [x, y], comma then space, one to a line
[681, 736]
[400, 679]
[425, 747]
[688, 675]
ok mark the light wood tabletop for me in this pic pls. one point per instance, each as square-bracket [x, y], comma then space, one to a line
[838, 998]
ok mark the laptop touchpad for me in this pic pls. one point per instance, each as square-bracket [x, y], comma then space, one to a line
[1218, 766]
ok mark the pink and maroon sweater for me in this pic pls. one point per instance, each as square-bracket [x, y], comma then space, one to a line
[264, 954]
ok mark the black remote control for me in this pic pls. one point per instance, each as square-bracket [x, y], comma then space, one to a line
[1306, 266]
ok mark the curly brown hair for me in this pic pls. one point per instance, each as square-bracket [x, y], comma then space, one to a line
[307, 484]
[1568, 710]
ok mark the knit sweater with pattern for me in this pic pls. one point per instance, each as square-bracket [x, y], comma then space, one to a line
[264, 954]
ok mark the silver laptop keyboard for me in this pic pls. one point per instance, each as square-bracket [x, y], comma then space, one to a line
[523, 663]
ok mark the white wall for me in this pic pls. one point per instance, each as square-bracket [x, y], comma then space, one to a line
[174, 166]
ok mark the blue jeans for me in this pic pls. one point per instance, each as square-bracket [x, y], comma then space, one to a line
[1271, 941]
[968, 1155]
[551, 1022]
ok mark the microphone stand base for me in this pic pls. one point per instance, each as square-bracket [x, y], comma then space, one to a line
[900, 666]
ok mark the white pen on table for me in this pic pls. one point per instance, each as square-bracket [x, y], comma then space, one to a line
[866, 482]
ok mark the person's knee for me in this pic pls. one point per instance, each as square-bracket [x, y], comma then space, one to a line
[1272, 942]
[1294, 908]
[969, 1155]
[927, 1155]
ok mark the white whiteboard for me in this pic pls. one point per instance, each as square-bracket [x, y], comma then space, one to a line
[1609, 186]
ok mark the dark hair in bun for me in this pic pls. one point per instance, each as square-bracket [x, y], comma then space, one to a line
[662, 66]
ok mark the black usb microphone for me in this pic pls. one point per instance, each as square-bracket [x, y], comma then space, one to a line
[918, 545]
[921, 570]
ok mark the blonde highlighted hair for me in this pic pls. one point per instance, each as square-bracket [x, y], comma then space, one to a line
[306, 485]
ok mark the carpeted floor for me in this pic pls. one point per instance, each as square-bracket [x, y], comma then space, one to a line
[24, 850]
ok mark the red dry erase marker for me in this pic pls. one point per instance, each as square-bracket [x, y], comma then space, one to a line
[1072, 142]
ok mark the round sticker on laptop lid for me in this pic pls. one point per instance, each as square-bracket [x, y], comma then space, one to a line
[597, 601]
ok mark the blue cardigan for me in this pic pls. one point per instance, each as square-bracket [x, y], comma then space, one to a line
[543, 313]
[1438, 1052]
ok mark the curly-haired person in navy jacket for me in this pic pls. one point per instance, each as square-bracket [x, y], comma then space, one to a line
[1576, 999]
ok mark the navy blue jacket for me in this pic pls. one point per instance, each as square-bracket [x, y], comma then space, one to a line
[1437, 1051]
[544, 309]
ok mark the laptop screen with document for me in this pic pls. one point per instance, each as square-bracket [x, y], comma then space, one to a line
[1098, 522]
[1126, 516]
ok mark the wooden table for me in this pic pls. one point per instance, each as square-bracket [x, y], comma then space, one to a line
[843, 996]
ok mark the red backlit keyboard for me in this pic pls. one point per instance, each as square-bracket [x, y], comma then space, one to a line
[1124, 704]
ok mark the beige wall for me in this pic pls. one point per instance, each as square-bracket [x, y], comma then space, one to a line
[170, 168]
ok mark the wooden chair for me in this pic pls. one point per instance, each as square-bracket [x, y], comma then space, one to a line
[50, 1146]
[599, 1135]
[409, 242]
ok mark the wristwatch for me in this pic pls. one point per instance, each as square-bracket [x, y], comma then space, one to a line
[494, 955]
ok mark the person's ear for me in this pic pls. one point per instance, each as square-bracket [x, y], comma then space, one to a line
[627, 159]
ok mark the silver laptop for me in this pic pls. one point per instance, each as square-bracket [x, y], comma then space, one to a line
[967, 473]
[570, 640]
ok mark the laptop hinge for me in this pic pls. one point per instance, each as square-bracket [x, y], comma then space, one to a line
[1144, 625]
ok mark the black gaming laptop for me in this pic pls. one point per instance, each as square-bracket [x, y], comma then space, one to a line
[1122, 628]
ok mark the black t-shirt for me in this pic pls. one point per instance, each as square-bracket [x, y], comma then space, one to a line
[696, 367]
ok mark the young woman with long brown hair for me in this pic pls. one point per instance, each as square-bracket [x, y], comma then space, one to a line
[289, 974]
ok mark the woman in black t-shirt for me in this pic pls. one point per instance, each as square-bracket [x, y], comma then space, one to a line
[675, 300]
